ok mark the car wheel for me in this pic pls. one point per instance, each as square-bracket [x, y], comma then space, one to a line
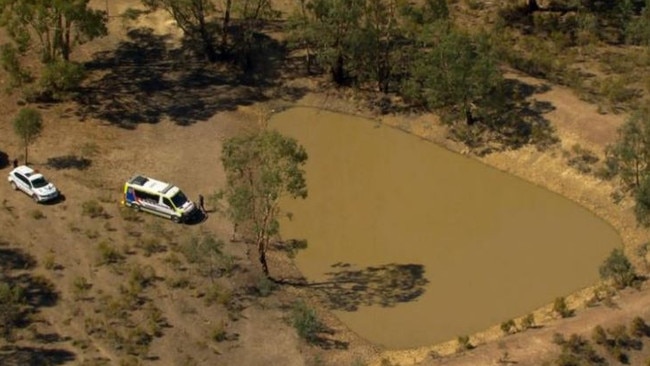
[176, 219]
[135, 207]
[13, 186]
[35, 198]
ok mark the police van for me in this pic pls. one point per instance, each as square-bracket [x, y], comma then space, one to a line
[159, 198]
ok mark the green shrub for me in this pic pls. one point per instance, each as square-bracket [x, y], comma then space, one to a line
[178, 282]
[508, 327]
[150, 246]
[528, 322]
[140, 277]
[464, 344]
[265, 286]
[582, 159]
[128, 214]
[60, 79]
[108, 254]
[49, 262]
[37, 214]
[11, 305]
[80, 287]
[218, 334]
[305, 321]
[618, 268]
[599, 336]
[91, 233]
[639, 328]
[92, 209]
[560, 308]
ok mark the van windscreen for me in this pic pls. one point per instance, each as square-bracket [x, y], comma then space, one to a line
[179, 199]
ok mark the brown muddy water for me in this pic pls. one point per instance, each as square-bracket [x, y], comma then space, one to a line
[412, 244]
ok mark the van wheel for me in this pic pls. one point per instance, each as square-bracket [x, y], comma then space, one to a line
[13, 186]
[176, 219]
[35, 198]
[135, 207]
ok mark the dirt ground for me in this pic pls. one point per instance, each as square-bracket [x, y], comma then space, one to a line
[54, 245]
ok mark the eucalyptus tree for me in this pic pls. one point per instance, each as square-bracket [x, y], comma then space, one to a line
[261, 168]
[192, 17]
[53, 28]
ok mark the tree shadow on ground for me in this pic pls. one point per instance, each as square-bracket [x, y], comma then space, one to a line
[144, 81]
[35, 292]
[15, 259]
[387, 285]
[36, 356]
[68, 162]
[4, 159]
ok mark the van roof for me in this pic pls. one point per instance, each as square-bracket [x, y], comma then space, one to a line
[152, 184]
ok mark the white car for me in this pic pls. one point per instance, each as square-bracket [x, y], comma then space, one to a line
[33, 183]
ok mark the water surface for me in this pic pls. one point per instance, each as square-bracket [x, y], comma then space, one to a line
[415, 245]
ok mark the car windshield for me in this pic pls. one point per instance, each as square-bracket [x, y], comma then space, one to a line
[179, 199]
[39, 182]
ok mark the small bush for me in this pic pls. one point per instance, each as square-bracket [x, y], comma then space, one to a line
[618, 268]
[60, 78]
[528, 322]
[37, 214]
[178, 282]
[80, 287]
[128, 214]
[599, 336]
[305, 322]
[141, 277]
[508, 327]
[92, 209]
[108, 254]
[265, 286]
[150, 246]
[560, 308]
[91, 233]
[464, 344]
[49, 262]
[11, 302]
[218, 334]
[639, 328]
[582, 159]
[213, 294]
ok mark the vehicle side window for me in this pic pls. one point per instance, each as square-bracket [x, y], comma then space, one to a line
[23, 179]
[167, 202]
[151, 198]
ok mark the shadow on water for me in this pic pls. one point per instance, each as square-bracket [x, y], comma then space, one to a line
[144, 81]
[387, 285]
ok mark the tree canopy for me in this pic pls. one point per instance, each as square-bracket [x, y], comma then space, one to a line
[261, 168]
[618, 268]
[53, 28]
[28, 125]
[57, 25]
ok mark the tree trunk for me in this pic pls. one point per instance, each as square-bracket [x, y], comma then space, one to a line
[469, 118]
[337, 70]
[65, 47]
[208, 47]
[532, 6]
[225, 25]
[261, 250]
